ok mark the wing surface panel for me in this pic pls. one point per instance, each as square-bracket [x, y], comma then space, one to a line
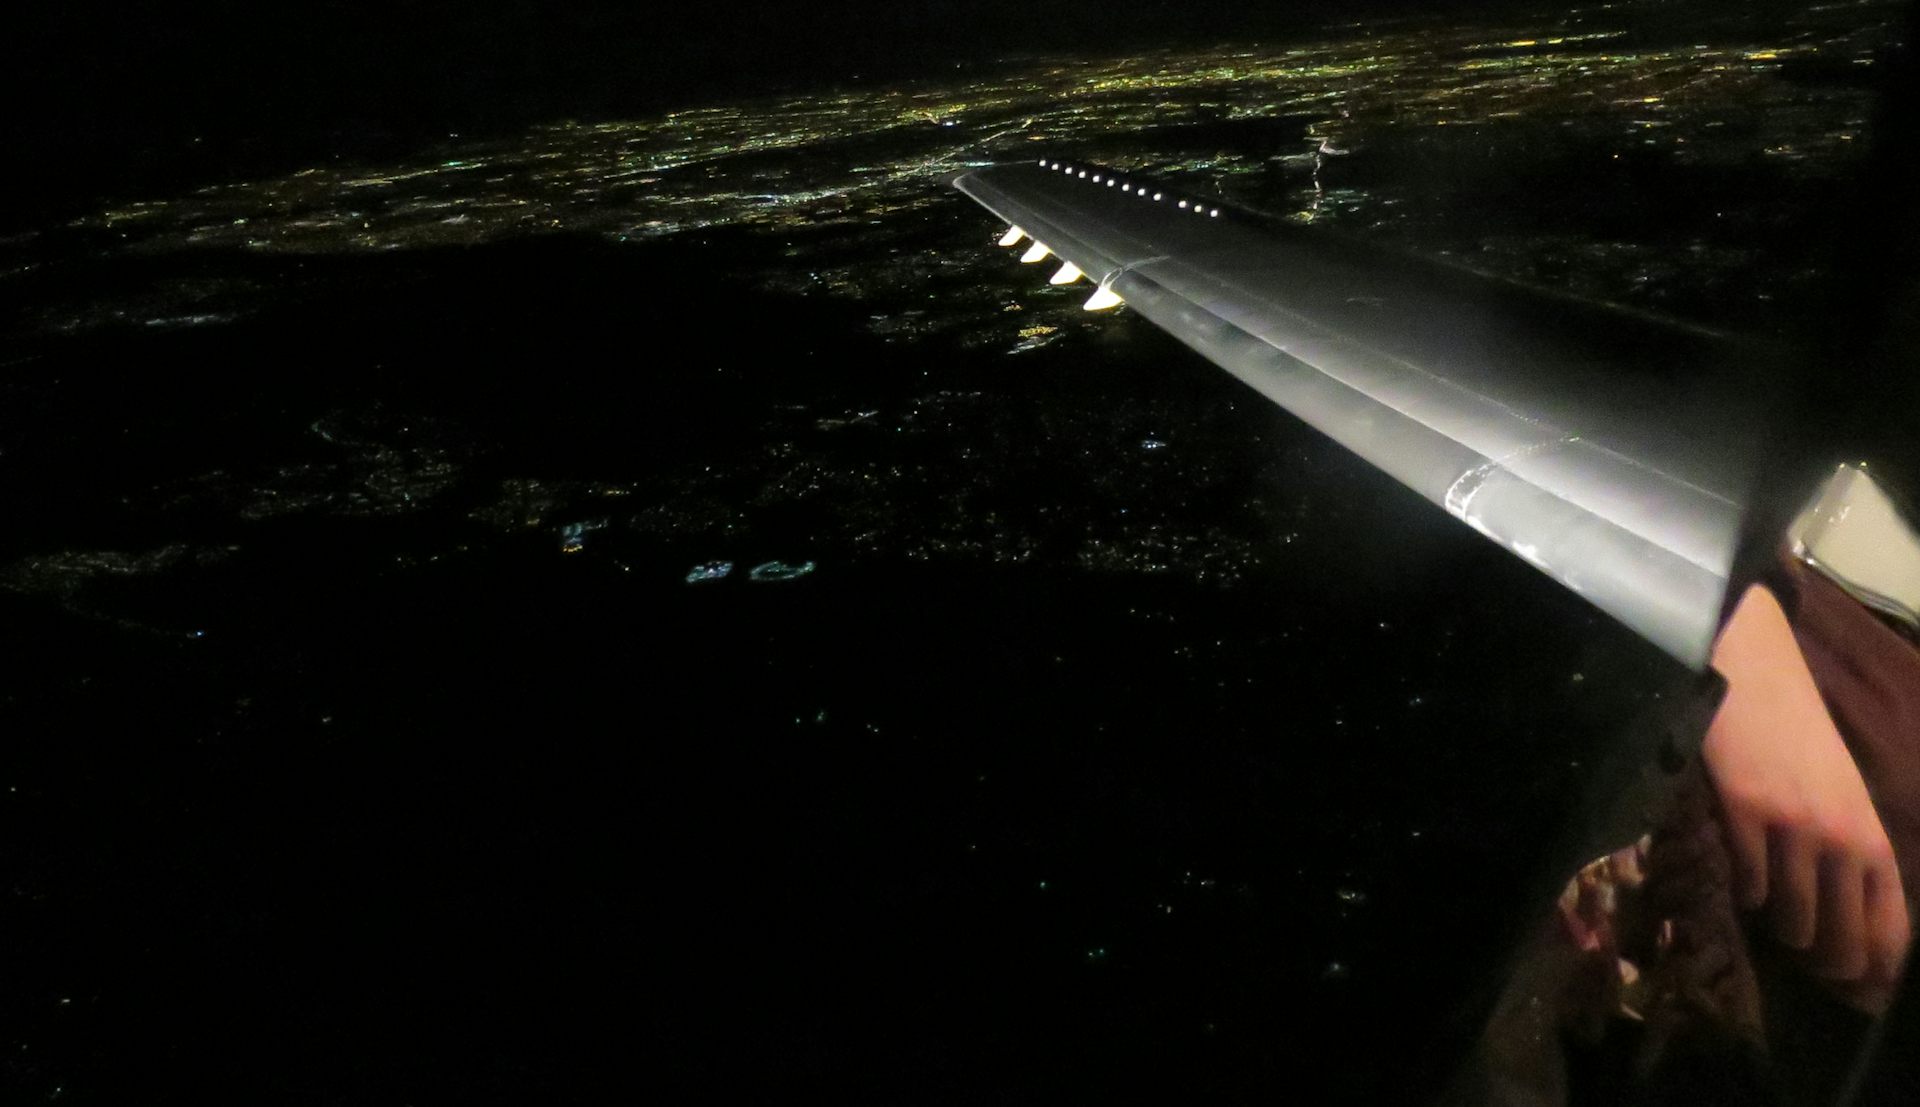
[1599, 445]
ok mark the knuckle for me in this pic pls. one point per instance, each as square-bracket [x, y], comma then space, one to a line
[1835, 836]
[1794, 815]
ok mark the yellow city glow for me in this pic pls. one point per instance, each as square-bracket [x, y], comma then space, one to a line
[723, 165]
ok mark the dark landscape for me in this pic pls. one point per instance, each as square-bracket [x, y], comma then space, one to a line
[1069, 723]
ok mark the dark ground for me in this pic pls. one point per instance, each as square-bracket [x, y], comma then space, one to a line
[406, 809]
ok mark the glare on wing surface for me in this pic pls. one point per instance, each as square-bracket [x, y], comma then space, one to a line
[1604, 447]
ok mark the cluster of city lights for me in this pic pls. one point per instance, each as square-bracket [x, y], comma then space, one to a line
[1385, 135]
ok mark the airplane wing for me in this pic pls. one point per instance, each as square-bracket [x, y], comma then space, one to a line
[1611, 450]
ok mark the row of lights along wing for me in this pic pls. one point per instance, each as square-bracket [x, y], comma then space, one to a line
[1104, 297]
[1112, 182]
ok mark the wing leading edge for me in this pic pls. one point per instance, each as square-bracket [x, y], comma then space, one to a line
[1610, 450]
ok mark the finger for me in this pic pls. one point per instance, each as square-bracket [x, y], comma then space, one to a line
[1794, 886]
[1747, 841]
[1889, 929]
[1840, 938]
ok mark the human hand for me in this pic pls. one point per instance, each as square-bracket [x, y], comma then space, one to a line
[1806, 841]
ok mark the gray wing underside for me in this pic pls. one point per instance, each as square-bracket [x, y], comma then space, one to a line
[1609, 450]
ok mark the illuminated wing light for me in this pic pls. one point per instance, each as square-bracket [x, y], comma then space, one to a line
[1013, 235]
[1102, 299]
[1068, 274]
[1036, 252]
[1183, 203]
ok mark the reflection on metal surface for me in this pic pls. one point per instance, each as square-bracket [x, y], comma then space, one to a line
[1530, 418]
[1854, 535]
